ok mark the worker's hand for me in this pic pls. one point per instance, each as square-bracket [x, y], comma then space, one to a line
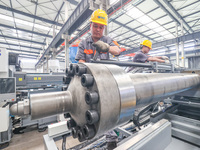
[167, 61]
[101, 46]
[165, 57]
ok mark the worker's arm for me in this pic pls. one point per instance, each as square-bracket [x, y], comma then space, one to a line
[155, 59]
[81, 61]
[114, 50]
[159, 57]
[162, 57]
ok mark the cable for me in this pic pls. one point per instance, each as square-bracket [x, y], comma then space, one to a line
[7, 103]
[64, 142]
[136, 118]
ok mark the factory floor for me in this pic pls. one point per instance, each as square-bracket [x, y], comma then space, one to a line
[33, 140]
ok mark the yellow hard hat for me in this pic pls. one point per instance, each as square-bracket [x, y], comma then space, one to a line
[99, 16]
[147, 43]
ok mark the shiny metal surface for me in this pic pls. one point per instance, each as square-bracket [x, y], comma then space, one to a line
[118, 93]
[21, 108]
[109, 103]
[48, 104]
[126, 91]
[148, 138]
[157, 86]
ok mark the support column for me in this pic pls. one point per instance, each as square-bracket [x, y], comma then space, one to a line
[104, 6]
[42, 65]
[47, 64]
[177, 45]
[66, 51]
[66, 36]
[182, 47]
[54, 49]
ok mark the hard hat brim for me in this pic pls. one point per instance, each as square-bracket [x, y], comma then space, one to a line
[146, 46]
[99, 22]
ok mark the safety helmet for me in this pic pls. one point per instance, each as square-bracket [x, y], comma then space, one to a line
[99, 16]
[147, 43]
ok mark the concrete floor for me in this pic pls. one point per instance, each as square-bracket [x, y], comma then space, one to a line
[33, 140]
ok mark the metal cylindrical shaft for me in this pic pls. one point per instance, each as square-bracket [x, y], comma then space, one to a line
[117, 96]
[47, 104]
[154, 87]
[121, 63]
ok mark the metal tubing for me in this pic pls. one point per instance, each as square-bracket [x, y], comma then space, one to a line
[182, 46]
[146, 65]
[156, 86]
[177, 45]
[48, 104]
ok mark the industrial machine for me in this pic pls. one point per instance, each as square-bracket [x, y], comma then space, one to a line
[17, 87]
[102, 97]
[33, 83]
[7, 96]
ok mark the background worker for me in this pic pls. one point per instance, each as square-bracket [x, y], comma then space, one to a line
[142, 56]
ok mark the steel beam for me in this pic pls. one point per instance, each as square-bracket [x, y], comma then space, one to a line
[19, 50]
[191, 14]
[186, 6]
[177, 14]
[29, 15]
[10, 37]
[20, 45]
[87, 28]
[167, 11]
[79, 15]
[28, 55]
[24, 30]
[73, 2]
[184, 38]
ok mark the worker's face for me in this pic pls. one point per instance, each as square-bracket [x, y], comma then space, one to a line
[145, 49]
[97, 30]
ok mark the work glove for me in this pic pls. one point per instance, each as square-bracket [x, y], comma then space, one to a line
[167, 61]
[101, 46]
[165, 57]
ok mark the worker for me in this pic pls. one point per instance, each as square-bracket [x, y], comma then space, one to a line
[142, 56]
[104, 45]
[97, 41]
